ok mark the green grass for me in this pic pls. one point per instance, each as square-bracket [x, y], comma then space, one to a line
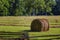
[19, 24]
[13, 28]
[43, 35]
[46, 35]
[51, 31]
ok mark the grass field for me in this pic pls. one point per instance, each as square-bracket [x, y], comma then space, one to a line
[20, 24]
[51, 34]
[26, 20]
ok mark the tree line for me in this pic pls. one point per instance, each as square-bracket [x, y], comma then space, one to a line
[28, 7]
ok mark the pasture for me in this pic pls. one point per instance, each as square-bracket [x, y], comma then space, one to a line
[26, 20]
[51, 34]
[20, 24]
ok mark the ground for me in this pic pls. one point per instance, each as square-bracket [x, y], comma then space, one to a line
[51, 34]
[18, 25]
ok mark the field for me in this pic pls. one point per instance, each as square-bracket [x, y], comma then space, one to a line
[51, 34]
[22, 24]
[26, 20]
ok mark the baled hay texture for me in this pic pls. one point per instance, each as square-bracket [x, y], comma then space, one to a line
[40, 25]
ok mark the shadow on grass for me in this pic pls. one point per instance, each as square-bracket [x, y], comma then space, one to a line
[26, 35]
[46, 36]
[50, 35]
[10, 33]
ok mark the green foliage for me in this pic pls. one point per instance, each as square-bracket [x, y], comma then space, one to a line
[4, 5]
[25, 7]
[49, 5]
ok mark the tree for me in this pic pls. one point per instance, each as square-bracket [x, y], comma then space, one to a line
[19, 7]
[4, 6]
[49, 5]
[28, 6]
[56, 9]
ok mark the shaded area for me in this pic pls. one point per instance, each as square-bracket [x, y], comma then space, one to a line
[46, 36]
[56, 26]
[26, 35]
[10, 33]
[56, 37]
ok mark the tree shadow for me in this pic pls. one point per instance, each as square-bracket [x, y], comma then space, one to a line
[50, 35]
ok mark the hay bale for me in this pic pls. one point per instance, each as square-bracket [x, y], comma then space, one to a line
[46, 24]
[40, 25]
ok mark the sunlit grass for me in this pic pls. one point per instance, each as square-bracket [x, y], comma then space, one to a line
[26, 20]
[43, 35]
[52, 31]
[13, 28]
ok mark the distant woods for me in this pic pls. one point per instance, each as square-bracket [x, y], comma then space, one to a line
[29, 7]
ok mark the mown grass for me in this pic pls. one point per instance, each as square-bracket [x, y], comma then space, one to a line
[19, 24]
[26, 20]
[52, 33]
[13, 28]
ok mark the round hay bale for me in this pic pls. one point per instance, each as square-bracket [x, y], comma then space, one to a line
[46, 24]
[40, 25]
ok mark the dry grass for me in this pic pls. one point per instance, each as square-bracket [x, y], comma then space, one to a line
[26, 20]
[39, 25]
